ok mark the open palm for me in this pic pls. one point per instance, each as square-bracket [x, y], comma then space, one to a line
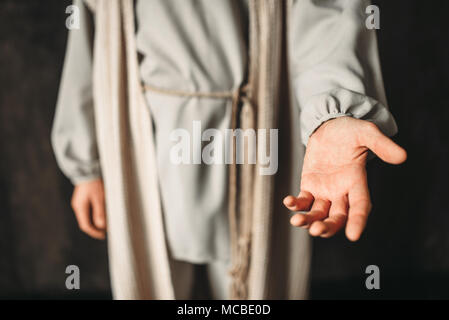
[334, 187]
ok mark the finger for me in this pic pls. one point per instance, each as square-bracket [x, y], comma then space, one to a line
[82, 212]
[99, 214]
[319, 210]
[317, 228]
[300, 203]
[306, 219]
[383, 147]
[338, 214]
[359, 208]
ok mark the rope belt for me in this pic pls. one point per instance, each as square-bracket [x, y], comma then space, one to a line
[240, 183]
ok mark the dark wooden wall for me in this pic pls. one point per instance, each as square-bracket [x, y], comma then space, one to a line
[38, 232]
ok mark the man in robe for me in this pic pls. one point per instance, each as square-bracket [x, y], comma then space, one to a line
[168, 222]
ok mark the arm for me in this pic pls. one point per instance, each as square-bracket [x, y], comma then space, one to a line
[73, 132]
[338, 85]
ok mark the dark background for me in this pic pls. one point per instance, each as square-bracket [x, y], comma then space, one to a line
[407, 235]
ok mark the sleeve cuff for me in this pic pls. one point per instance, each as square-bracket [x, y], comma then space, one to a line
[86, 178]
[339, 103]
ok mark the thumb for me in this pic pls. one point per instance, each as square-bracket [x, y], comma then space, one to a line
[383, 146]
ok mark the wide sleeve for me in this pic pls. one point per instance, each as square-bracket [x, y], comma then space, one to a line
[73, 133]
[335, 67]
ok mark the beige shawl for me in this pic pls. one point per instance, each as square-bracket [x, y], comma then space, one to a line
[270, 258]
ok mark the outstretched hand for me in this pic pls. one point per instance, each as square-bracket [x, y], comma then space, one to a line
[334, 187]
